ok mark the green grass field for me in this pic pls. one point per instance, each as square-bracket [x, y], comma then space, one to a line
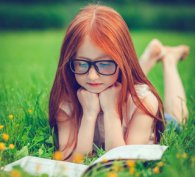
[28, 62]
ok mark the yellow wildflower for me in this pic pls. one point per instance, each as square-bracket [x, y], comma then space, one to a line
[1, 127]
[178, 155]
[131, 170]
[78, 158]
[5, 136]
[11, 146]
[160, 164]
[112, 174]
[184, 155]
[30, 111]
[104, 160]
[15, 173]
[156, 170]
[116, 167]
[57, 155]
[193, 159]
[130, 163]
[2, 146]
[11, 117]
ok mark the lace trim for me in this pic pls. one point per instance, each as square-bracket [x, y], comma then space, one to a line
[142, 90]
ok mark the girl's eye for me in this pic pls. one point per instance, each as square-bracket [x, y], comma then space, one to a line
[83, 65]
[105, 64]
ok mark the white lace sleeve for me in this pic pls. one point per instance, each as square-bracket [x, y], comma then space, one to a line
[142, 90]
[66, 107]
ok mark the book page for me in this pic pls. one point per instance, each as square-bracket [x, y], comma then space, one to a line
[144, 152]
[36, 166]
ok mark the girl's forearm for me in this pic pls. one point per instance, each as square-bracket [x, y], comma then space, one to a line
[113, 131]
[85, 135]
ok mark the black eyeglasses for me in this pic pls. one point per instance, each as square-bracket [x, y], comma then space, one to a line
[103, 67]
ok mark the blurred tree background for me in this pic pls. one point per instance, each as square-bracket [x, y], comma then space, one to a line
[139, 14]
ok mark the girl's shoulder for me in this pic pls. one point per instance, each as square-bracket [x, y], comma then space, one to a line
[142, 90]
[148, 99]
[145, 94]
[66, 107]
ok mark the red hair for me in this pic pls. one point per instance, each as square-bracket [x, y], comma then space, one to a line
[109, 31]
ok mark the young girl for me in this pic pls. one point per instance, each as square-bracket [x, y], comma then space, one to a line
[100, 93]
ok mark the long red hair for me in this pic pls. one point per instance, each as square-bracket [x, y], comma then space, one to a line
[109, 31]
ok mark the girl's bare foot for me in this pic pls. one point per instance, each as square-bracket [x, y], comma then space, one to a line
[154, 51]
[175, 54]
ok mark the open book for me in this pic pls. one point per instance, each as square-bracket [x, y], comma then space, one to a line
[36, 165]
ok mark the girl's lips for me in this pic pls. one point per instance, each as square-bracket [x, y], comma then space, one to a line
[94, 84]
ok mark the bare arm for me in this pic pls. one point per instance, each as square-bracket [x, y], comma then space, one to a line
[141, 124]
[113, 130]
[85, 135]
[84, 143]
[139, 128]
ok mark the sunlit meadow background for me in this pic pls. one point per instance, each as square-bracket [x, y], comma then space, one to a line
[30, 40]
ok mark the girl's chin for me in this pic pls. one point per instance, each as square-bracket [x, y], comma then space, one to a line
[97, 91]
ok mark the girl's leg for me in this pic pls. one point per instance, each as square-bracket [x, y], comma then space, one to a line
[175, 99]
[153, 53]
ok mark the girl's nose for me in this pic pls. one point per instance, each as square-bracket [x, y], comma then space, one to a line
[93, 74]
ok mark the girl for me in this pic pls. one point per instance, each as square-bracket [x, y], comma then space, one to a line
[100, 93]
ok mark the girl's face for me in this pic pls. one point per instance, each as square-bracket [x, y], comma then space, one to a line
[93, 81]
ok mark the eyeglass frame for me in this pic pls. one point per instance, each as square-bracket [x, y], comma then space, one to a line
[93, 63]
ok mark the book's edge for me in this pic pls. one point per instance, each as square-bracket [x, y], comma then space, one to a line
[98, 161]
[110, 161]
[9, 166]
[163, 147]
[23, 160]
[137, 146]
[56, 165]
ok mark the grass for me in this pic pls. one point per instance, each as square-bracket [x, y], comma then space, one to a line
[28, 62]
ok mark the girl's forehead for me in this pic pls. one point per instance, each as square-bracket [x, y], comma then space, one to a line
[94, 59]
[89, 50]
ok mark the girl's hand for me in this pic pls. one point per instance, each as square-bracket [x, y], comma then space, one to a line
[109, 98]
[89, 102]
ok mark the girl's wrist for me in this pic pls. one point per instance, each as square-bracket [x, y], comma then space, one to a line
[90, 117]
[109, 114]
